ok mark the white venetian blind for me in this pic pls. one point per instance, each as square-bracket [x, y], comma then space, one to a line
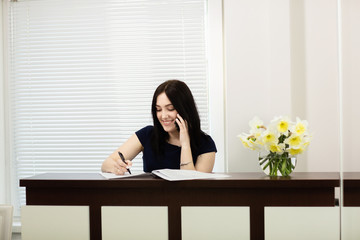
[82, 74]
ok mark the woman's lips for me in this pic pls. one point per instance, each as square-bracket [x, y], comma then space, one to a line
[167, 122]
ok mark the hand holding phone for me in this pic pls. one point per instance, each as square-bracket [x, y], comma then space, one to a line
[184, 134]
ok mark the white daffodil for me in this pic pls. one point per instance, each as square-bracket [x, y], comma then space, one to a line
[300, 126]
[248, 141]
[281, 123]
[269, 137]
[296, 150]
[294, 140]
[297, 143]
[276, 148]
[256, 124]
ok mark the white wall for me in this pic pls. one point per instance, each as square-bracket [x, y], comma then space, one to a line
[351, 84]
[281, 59]
[322, 94]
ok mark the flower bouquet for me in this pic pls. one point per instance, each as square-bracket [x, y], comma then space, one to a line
[278, 144]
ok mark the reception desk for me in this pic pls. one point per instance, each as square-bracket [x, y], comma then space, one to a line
[254, 190]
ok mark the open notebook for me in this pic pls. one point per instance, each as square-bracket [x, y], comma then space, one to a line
[180, 175]
[126, 175]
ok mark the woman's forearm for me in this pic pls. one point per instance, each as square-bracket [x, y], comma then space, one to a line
[186, 160]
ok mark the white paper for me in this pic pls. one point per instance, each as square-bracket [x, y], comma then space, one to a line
[180, 175]
[126, 175]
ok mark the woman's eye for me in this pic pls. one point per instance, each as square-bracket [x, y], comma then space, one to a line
[158, 110]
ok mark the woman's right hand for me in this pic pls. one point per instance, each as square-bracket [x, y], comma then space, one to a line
[130, 149]
[121, 167]
[116, 166]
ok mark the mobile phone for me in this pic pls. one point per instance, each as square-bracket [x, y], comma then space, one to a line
[177, 126]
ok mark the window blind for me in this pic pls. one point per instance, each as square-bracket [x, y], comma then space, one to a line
[82, 74]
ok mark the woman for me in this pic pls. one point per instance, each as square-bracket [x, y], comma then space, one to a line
[176, 140]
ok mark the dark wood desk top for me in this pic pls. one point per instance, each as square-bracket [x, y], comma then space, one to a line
[351, 175]
[351, 179]
[238, 180]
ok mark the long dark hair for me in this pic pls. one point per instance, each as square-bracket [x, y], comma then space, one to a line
[183, 101]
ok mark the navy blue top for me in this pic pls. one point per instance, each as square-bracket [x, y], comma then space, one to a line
[171, 158]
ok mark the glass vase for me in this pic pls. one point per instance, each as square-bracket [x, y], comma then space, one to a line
[274, 164]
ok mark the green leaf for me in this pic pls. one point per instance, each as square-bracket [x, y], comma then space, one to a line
[266, 165]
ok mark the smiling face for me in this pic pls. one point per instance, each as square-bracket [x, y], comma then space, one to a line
[166, 113]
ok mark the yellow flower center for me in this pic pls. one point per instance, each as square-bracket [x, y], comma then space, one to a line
[283, 126]
[275, 148]
[294, 141]
[269, 138]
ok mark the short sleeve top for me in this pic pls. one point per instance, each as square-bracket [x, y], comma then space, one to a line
[171, 157]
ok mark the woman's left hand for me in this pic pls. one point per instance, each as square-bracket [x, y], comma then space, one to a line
[184, 133]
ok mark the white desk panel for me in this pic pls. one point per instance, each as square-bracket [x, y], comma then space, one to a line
[55, 223]
[138, 223]
[298, 223]
[350, 228]
[214, 223]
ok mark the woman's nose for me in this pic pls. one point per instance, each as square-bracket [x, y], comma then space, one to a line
[164, 114]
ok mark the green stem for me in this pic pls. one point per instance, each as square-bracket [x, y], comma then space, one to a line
[263, 160]
[266, 165]
[283, 165]
[277, 163]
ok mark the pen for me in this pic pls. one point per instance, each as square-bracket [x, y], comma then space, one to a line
[123, 159]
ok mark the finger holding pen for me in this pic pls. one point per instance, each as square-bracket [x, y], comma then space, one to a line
[125, 163]
[120, 168]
